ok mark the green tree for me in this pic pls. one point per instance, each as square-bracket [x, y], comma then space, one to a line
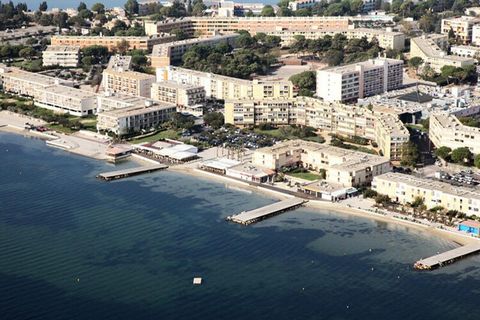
[198, 8]
[43, 6]
[305, 81]
[443, 152]
[383, 200]
[415, 63]
[61, 19]
[462, 155]
[410, 155]
[267, 11]
[81, 6]
[27, 52]
[476, 161]
[98, 8]
[123, 46]
[131, 7]
[214, 119]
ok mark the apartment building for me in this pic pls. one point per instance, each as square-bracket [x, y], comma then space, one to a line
[302, 4]
[142, 116]
[462, 27]
[224, 88]
[391, 135]
[111, 42]
[63, 56]
[65, 99]
[432, 49]
[445, 130]
[359, 80]
[109, 101]
[165, 54]
[465, 51]
[168, 25]
[128, 82]
[119, 62]
[336, 118]
[344, 167]
[24, 83]
[178, 94]
[386, 38]
[404, 189]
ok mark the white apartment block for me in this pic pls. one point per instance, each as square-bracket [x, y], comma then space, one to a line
[405, 189]
[465, 51]
[113, 101]
[476, 35]
[64, 99]
[432, 49]
[445, 130]
[178, 94]
[223, 87]
[345, 167]
[359, 80]
[387, 38]
[345, 120]
[142, 116]
[302, 4]
[63, 56]
[127, 82]
[165, 54]
[462, 27]
[24, 83]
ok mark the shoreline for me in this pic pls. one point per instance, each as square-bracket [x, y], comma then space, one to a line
[317, 206]
[311, 204]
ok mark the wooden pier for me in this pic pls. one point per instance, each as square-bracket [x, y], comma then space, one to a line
[252, 216]
[448, 257]
[120, 174]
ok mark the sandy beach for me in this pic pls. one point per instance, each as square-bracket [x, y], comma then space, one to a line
[321, 206]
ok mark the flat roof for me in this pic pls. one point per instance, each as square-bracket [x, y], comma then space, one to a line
[137, 110]
[60, 48]
[129, 74]
[69, 92]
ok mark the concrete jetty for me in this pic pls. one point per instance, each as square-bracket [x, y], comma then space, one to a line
[114, 175]
[447, 257]
[252, 216]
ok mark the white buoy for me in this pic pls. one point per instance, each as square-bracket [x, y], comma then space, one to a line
[197, 281]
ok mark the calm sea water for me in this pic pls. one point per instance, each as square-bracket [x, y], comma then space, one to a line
[73, 247]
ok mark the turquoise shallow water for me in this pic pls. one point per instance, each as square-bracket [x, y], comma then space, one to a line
[73, 247]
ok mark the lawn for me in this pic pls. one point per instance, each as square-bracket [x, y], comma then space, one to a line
[305, 175]
[60, 128]
[167, 134]
[276, 133]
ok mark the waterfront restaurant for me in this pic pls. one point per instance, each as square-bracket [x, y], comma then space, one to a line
[328, 190]
[219, 165]
[470, 226]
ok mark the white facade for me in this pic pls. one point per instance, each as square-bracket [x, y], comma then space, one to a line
[63, 56]
[359, 80]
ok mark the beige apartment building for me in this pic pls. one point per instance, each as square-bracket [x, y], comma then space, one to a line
[165, 54]
[446, 130]
[404, 189]
[127, 82]
[346, 120]
[111, 42]
[178, 94]
[63, 56]
[24, 83]
[284, 27]
[142, 116]
[65, 99]
[391, 135]
[344, 167]
[432, 49]
[113, 101]
[359, 80]
[462, 27]
[224, 88]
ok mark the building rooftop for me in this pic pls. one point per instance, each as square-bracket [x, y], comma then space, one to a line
[163, 48]
[129, 74]
[137, 110]
[430, 184]
[120, 62]
[60, 48]
[69, 92]
[428, 45]
[369, 64]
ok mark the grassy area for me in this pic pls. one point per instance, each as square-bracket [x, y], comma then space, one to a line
[167, 134]
[60, 128]
[305, 175]
[417, 126]
[276, 133]
[89, 124]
